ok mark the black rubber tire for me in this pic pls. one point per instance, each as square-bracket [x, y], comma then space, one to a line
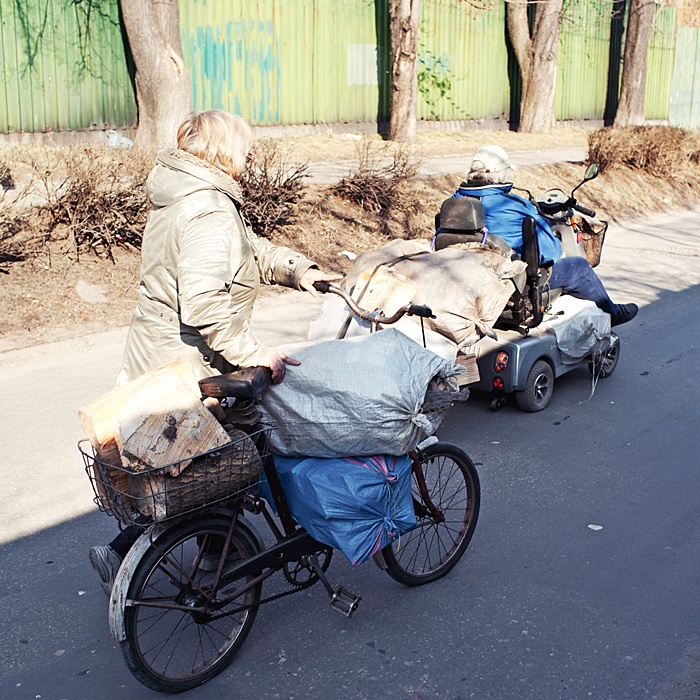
[538, 390]
[604, 365]
[431, 550]
[170, 650]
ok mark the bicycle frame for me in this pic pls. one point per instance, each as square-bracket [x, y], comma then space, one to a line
[290, 546]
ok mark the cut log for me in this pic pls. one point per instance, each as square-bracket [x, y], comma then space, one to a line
[206, 481]
[154, 421]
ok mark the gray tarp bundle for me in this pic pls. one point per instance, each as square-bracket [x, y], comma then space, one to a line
[355, 397]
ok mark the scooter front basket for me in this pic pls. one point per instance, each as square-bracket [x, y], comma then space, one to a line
[593, 238]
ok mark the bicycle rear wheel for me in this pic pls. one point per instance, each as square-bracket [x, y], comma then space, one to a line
[437, 544]
[177, 636]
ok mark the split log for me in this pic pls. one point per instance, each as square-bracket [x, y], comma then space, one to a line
[154, 421]
[209, 479]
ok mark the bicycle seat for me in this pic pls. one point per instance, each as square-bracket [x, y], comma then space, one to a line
[246, 383]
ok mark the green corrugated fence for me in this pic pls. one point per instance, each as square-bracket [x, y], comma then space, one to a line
[63, 63]
[62, 66]
[685, 88]
[662, 46]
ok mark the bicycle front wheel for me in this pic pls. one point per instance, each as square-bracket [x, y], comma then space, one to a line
[437, 544]
[179, 633]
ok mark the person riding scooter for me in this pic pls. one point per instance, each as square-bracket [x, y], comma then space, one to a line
[489, 180]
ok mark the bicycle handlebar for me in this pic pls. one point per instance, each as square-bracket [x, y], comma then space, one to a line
[374, 316]
[322, 287]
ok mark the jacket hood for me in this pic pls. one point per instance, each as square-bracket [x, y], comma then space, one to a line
[178, 174]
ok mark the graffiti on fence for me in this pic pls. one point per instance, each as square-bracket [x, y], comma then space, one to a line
[237, 68]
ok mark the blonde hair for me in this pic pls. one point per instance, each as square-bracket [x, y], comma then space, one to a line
[221, 138]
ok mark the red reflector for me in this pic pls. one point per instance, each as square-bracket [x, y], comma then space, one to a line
[498, 383]
[501, 362]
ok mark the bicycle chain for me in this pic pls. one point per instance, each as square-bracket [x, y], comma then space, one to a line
[269, 599]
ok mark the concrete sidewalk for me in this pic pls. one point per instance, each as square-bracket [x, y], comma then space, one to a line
[433, 166]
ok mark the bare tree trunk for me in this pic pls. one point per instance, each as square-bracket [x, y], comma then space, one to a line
[404, 21]
[536, 54]
[630, 109]
[163, 92]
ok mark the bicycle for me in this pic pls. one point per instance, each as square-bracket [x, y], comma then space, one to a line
[188, 591]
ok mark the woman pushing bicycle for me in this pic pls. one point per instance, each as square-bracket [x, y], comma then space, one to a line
[200, 272]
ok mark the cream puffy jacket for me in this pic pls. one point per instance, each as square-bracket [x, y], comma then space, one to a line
[200, 273]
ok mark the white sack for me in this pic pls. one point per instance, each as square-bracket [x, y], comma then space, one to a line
[467, 288]
[356, 397]
[578, 326]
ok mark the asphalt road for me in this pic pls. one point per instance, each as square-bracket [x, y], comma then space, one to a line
[541, 606]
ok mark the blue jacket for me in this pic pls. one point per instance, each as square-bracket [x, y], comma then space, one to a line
[504, 217]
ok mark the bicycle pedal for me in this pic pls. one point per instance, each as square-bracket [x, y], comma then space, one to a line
[345, 601]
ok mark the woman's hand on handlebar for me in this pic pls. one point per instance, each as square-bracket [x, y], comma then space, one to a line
[276, 360]
[315, 275]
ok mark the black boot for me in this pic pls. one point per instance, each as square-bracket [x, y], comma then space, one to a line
[623, 313]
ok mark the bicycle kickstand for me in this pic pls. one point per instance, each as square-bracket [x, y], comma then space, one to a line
[343, 600]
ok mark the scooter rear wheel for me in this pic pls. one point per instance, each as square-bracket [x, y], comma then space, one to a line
[603, 365]
[538, 388]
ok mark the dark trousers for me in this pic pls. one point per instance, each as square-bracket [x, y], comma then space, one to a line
[121, 544]
[577, 278]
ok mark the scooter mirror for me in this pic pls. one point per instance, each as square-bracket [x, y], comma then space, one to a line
[591, 172]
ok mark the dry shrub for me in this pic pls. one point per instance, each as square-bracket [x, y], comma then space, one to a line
[378, 183]
[102, 201]
[93, 198]
[662, 151]
[18, 237]
[272, 185]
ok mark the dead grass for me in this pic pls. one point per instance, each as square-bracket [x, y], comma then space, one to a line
[53, 297]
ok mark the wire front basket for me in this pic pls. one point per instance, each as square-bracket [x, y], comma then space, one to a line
[179, 489]
[593, 238]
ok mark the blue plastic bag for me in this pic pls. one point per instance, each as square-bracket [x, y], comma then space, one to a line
[355, 504]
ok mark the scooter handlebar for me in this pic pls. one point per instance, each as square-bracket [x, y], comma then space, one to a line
[584, 210]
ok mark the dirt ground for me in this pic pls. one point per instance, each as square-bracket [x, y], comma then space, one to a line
[54, 297]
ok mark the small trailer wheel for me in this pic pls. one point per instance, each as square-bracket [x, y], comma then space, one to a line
[603, 364]
[497, 403]
[538, 388]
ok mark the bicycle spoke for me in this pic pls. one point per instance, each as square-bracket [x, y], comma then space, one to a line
[436, 544]
[163, 643]
[176, 647]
